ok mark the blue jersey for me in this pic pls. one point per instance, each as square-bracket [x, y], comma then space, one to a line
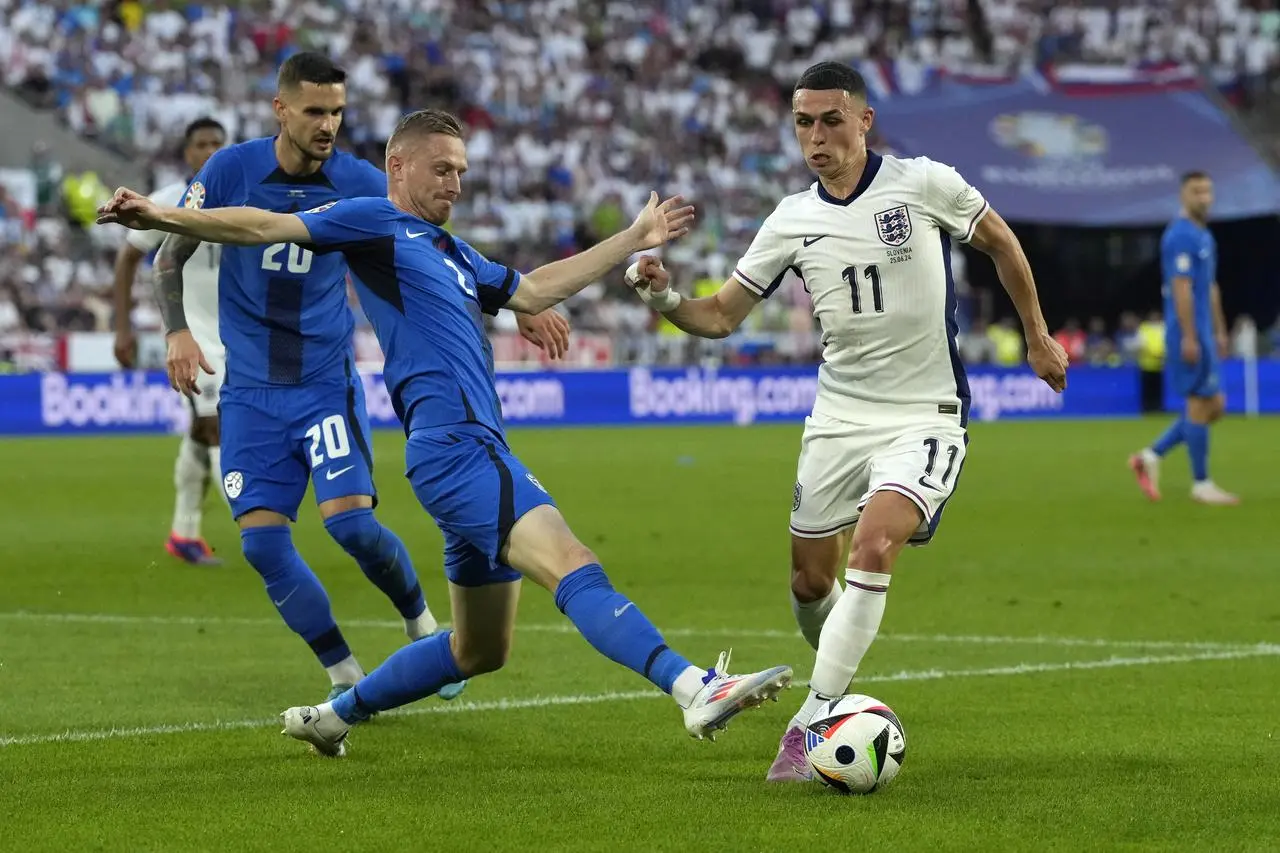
[1188, 250]
[424, 291]
[282, 309]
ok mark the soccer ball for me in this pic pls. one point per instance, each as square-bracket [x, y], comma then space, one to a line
[855, 744]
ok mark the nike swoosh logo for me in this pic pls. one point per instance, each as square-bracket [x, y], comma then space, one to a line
[623, 609]
[335, 474]
[413, 236]
[928, 485]
[809, 241]
[286, 598]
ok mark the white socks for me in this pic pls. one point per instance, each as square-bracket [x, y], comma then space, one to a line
[423, 626]
[812, 615]
[189, 472]
[849, 631]
[687, 685]
[346, 671]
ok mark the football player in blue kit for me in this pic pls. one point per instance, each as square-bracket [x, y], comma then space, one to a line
[292, 407]
[1195, 343]
[425, 292]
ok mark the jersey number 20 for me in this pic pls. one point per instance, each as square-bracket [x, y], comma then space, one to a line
[332, 432]
[296, 259]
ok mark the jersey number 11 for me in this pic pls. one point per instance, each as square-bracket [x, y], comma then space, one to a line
[872, 274]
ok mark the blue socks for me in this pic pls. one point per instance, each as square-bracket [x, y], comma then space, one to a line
[295, 591]
[414, 672]
[1197, 438]
[616, 628]
[382, 558]
[1171, 437]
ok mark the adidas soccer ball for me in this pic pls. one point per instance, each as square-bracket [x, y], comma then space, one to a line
[855, 744]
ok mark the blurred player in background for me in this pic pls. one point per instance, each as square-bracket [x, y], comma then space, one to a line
[198, 461]
[425, 291]
[1196, 339]
[883, 449]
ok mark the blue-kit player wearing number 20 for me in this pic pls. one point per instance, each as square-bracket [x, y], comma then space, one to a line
[293, 406]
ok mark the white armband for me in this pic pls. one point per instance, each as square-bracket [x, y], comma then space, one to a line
[664, 302]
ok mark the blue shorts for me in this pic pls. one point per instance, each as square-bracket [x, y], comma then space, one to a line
[1193, 380]
[476, 490]
[274, 440]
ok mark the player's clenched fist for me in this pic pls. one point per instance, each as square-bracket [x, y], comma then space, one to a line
[1049, 361]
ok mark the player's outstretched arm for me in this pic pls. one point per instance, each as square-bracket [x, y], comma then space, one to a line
[715, 316]
[996, 239]
[553, 283]
[128, 259]
[242, 226]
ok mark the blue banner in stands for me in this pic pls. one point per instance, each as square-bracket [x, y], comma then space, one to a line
[54, 403]
[1048, 157]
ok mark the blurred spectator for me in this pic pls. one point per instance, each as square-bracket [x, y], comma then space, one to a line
[976, 346]
[1072, 339]
[1128, 341]
[1151, 353]
[1008, 342]
[1244, 338]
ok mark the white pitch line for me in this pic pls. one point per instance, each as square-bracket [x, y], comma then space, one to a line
[568, 628]
[87, 735]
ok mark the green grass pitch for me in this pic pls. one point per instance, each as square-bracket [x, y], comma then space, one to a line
[1076, 668]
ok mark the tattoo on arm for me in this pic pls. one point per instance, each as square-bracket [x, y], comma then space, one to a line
[167, 279]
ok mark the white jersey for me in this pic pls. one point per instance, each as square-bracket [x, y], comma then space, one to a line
[199, 277]
[878, 267]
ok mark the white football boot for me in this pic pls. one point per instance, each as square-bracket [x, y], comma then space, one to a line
[1209, 492]
[724, 696]
[319, 726]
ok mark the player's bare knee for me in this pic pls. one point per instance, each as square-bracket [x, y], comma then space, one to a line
[874, 552]
[814, 565]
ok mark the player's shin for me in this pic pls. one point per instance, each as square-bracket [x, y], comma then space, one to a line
[615, 627]
[1197, 437]
[190, 471]
[812, 615]
[413, 672]
[1171, 437]
[385, 561]
[300, 599]
[847, 635]
[215, 470]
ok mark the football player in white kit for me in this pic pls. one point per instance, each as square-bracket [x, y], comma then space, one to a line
[885, 444]
[198, 461]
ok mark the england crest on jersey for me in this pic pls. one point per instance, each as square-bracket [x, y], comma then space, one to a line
[894, 225]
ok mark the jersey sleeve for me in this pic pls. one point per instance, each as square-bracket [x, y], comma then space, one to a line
[766, 261]
[219, 184]
[148, 241]
[346, 224]
[495, 283]
[1177, 255]
[952, 201]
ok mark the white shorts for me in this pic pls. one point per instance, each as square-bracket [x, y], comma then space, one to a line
[205, 404]
[843, 464]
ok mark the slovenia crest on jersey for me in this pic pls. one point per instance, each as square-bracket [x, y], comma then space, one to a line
[893, 226]
[195, 196]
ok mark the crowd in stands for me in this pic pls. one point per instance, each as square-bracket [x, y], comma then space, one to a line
[574, 109]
